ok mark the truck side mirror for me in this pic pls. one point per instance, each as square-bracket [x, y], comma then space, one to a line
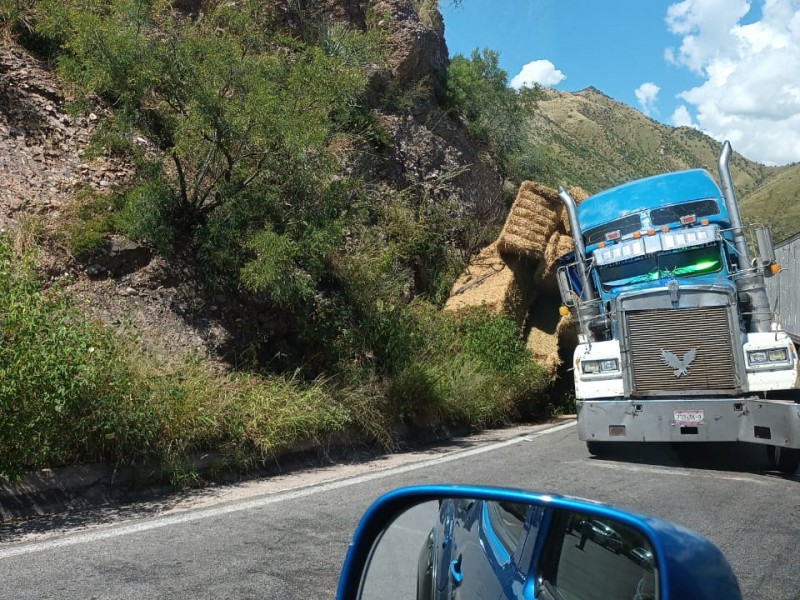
[766, 251]
[564, 287]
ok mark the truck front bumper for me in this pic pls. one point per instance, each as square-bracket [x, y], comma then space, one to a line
[771, 422]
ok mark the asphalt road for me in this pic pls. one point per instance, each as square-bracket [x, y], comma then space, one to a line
[287, 540]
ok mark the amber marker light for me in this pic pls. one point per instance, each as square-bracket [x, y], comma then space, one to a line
[704, 222]
[601, 244]
[563, 311]
[775, 268]
[651, 232]
[637, 235]
[665, 228]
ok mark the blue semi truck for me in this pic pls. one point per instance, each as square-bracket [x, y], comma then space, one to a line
[677, 339]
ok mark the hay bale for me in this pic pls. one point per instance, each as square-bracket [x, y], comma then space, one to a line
[578, 194]
[487, 281]
[533, 218]
[557, 246]
[515, 274]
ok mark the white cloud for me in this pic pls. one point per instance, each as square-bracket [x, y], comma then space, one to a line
[751, 89]
[646, 94]
[681, 118]
[704, 26]
[542, 72]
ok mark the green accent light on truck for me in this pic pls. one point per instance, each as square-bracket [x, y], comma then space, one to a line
[701, 267]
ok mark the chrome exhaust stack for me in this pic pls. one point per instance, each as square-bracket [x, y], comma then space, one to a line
[749, 279]
[587, 311]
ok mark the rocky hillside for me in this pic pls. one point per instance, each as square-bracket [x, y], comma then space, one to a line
[45, 166]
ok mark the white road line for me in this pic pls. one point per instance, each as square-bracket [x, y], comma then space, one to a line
[683, 473]
[281, 496]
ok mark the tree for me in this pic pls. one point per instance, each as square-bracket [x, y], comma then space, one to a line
[496, 115]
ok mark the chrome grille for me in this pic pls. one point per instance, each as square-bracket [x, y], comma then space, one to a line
[681, 331]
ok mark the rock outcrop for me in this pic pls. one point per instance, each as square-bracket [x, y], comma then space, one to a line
[42, 148]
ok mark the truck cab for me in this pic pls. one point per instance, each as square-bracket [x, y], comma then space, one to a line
[677, 341]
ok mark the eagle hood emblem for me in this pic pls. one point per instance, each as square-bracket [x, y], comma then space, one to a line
[681, 367]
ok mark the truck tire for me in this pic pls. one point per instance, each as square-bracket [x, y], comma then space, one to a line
[599, 449]
[786, 460]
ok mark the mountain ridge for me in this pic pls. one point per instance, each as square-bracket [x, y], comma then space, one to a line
[596, 142]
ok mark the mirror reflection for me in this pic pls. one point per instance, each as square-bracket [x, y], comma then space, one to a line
[459, 548]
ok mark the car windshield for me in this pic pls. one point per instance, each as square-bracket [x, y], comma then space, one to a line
[681, 263]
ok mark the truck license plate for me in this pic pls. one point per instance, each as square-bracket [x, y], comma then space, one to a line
[688, 417]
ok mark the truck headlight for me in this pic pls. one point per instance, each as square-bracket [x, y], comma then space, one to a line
[593, 367]
[777, 355]
[772, 355]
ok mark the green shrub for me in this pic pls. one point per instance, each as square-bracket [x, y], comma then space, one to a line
[72, 391]
[147, 214]
[473, 370]
[496, 115]
[54, 367]
[87, 220]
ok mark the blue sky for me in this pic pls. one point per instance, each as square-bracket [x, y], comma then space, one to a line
[730, 68]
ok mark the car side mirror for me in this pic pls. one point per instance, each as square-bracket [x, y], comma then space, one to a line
[437, 542]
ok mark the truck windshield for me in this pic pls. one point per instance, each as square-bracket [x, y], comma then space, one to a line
[680, 263]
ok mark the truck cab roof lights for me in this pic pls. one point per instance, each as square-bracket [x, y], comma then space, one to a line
[651, 232]
[665, 228]
[626, 250]
[683, 238]
[704, 222]
[637, 235]
[678, 239]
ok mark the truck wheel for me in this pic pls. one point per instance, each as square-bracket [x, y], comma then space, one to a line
[599, 449]
[786, 460]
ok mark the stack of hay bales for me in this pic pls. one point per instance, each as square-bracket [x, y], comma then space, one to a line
[516, 274]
